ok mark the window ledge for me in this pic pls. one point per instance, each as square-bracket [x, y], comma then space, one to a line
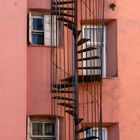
[44, 46]
[106, 78]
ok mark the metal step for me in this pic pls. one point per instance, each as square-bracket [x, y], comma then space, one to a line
[72, 27]
[62, 8]
[71, 112]
[62, 91]
[89, 58]
[63, 98]
[67, 105]
[87, 49]
[96, 67]
[62, 2]
[90, 138]
[65, 20]
[76, 34]
[62, 14]
[60, 86]
[85, 78]
[78, 120]
[82, 41]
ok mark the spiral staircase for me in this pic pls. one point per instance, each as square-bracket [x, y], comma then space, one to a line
[76, 86]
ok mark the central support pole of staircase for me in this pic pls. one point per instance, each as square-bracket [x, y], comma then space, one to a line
[76, 75]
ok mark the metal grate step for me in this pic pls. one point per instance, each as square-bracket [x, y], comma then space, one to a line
[67, 105]
[85, 78]
[90, 138]
[62, 8]
[89, 58]
[71, 112]
[96, 67]
[63, 98]
[77, 34]
[65, 20]
[87, 49]
[78, 120]
[62, 91]
[60, 86]
[62, 2]
[72, 27]
[82, 41]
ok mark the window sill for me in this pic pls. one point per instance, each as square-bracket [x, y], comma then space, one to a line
[44, 46]
[111, 77]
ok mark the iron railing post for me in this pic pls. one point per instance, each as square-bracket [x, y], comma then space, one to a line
[76, 74]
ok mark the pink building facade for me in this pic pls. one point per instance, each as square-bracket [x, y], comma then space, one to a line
[25, 71]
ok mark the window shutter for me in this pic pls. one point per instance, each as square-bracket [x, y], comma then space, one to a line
[30, 28]
[54, 32]
[104, 71]
[47, 31]
[28, 128]
[57, 127]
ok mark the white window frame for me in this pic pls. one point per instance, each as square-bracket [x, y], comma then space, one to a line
[97, 134]
[104, 72]
[30, 135]
[47, 28]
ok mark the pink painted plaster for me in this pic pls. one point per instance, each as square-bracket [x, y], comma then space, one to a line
[13, 76]
[120, 94]
[39, 97]
[39, 4]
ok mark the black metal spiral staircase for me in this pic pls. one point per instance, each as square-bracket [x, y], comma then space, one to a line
[64, 81]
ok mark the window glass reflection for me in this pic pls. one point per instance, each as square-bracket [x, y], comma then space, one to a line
[38, 38]
[38, 24]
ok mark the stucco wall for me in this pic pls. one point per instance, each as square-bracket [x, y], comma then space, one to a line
[39, 97]
[120, 94]
[13, 69]
[39, 4]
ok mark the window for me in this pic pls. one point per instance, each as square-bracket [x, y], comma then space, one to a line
[43, 129]
[94, 33]
[40, 29]
[95, 132]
